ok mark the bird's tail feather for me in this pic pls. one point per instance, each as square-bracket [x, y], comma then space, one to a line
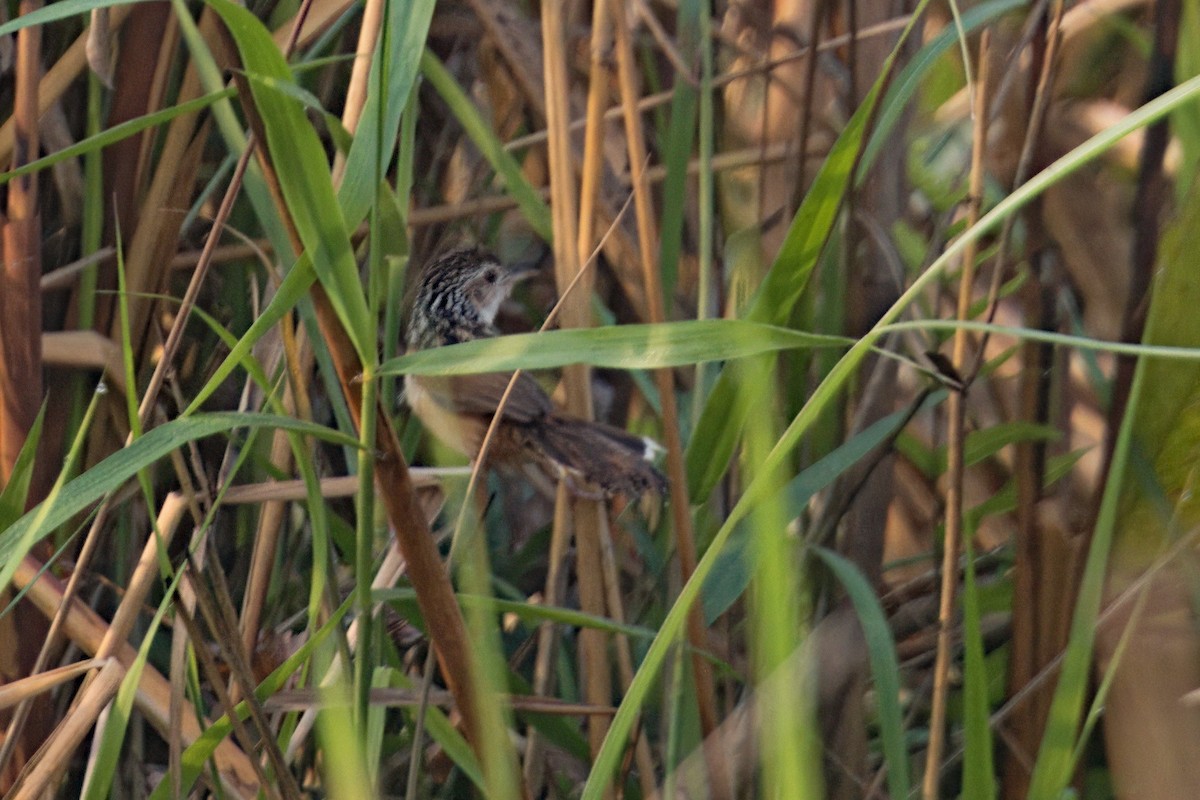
[601, 456]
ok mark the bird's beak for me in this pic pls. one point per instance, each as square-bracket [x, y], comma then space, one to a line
[522, 271]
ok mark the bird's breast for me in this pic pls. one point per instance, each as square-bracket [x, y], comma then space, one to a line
[459, 431]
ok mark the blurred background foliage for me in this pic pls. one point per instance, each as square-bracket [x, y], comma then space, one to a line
[907, 291]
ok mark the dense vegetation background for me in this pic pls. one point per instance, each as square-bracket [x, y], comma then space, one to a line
[907, 291]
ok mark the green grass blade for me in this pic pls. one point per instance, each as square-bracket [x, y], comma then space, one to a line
[979, 775]
[909, 81]
[109, 474]
[290, 293]
[104, 768]
[536, 212]
[651, 346]
[63, 9]
[884, 667]
[720, 423]
[117, 133]
[827, 392]
[199, 751]
[409, 27]
[303, 173]
[16, 491]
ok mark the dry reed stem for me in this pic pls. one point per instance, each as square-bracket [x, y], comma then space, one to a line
[356, 90]
[210, 672]
[15, 692]
[216, 605]
[20, 303]
[20, 339]
[266, 539]
[533, 770]
[680, 504]
[86, 629]
[955, 442]
[71, 64]
[1030, 607]
[85, 350]
[591, 181]
[58, 78]
[389, 572]
[564, 201]
[145, 576]
[50, 761]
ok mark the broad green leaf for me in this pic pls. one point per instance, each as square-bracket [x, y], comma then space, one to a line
[668, 344]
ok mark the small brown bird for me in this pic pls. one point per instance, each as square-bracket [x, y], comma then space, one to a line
[456, 300]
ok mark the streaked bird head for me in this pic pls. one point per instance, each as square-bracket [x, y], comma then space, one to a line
[457, 298]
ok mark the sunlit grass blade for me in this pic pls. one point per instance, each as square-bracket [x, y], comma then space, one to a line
[721, 421]
[827, 392]
[648, 346]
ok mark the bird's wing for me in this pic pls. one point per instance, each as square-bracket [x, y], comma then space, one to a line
[480, 394]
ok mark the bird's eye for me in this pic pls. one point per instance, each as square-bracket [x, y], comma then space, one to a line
[490, 275]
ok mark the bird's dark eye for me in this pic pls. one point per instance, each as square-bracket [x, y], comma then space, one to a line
[490, 275]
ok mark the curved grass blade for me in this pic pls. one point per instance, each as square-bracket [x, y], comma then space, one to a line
[118, 132]
[651, 346]
[303, 175]
[109, 474]
[536, 212]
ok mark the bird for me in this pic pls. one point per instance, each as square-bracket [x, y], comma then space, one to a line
[456, 299]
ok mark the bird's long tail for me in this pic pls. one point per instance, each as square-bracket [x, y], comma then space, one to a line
[600, 456]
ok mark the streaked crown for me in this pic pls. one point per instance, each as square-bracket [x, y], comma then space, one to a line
[457, 298]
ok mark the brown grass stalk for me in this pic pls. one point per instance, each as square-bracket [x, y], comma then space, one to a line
[955, 442]
[680, 504]
[564, 201]
[86, 629]
[52, 759]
